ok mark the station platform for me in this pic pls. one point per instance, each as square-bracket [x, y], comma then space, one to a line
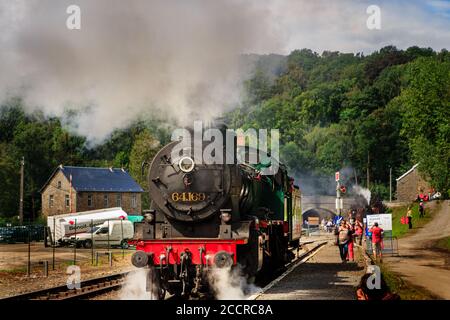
[322, 277]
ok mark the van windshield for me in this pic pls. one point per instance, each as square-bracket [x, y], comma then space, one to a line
[103, 230]
[93, 229]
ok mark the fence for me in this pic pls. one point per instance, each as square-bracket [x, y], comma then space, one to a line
[389, 245]
[24, 234]
[311, 230]
[31, 248]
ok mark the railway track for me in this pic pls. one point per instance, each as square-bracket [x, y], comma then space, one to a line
[88, 289]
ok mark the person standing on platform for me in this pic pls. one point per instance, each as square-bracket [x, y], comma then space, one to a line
[377, 238]
[342, 240]
[359, 231]
[350, 254]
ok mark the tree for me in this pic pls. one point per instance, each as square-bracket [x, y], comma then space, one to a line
[426, 119]
[9, 186]
[144, 148]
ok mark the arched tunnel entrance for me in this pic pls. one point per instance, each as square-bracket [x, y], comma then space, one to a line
[318, 212]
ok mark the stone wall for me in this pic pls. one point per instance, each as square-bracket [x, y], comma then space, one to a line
[98, 201]
[59, 193]
[410, 185]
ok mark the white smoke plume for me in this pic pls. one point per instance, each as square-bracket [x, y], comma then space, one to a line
[363, 192]
[230, 284]
[129, 58]
[135, 286]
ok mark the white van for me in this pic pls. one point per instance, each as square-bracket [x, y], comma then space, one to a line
[110, 233]
[63, 226]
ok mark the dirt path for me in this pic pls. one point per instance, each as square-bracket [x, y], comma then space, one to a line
[418, 263]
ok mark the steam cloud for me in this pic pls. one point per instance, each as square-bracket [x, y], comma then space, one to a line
[180, 58]
[230, 284]
[135, 287]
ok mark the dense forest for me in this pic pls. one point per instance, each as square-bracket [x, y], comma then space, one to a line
[359, 114]
[389, 109]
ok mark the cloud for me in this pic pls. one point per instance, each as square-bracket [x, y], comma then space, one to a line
[341, 25]
[179, 58]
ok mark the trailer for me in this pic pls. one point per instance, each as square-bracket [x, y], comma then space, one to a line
[62, 226]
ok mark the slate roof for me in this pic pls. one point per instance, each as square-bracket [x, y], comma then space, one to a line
[98, 179]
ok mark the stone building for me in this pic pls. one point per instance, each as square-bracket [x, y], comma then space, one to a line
[76, 189]
[410, 184]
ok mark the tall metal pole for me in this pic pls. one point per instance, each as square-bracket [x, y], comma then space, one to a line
[22, 165]
[92, 241]
[108, 237]
[338, 193]
[54, 242]
[29, 254]
[123, 249]
[75, 246]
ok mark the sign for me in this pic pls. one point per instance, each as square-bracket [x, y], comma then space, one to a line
[337, 220]
[384, 221]
[313, 221]
[339, 203]
[337, 176]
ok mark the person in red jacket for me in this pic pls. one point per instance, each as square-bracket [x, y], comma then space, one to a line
[377, 238]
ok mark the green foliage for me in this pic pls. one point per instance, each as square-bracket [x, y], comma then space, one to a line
[426, 119]
[45, 143]
[386, 110]
[144, 149]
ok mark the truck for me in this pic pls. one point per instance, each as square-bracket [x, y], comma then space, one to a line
[61, 227]
[111, 233]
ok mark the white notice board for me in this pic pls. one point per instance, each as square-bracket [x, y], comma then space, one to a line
[384, 221]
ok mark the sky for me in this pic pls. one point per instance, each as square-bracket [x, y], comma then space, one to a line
[180, 58]
[341, 25]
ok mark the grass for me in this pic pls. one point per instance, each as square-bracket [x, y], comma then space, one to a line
[443, 244]
[405, 290]
[398, 229]
[14, 270]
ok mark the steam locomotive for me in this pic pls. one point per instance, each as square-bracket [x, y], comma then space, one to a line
[205, 216]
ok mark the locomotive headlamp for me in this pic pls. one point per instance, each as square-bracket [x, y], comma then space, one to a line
[186, 164]
[149, 216]
[225, 215]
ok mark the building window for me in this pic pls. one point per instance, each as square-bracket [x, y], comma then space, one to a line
[59, 184]
[67, 201]
[119, 200]
[50, 201]
[90, 200]
[105, 201]
[134, 201]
